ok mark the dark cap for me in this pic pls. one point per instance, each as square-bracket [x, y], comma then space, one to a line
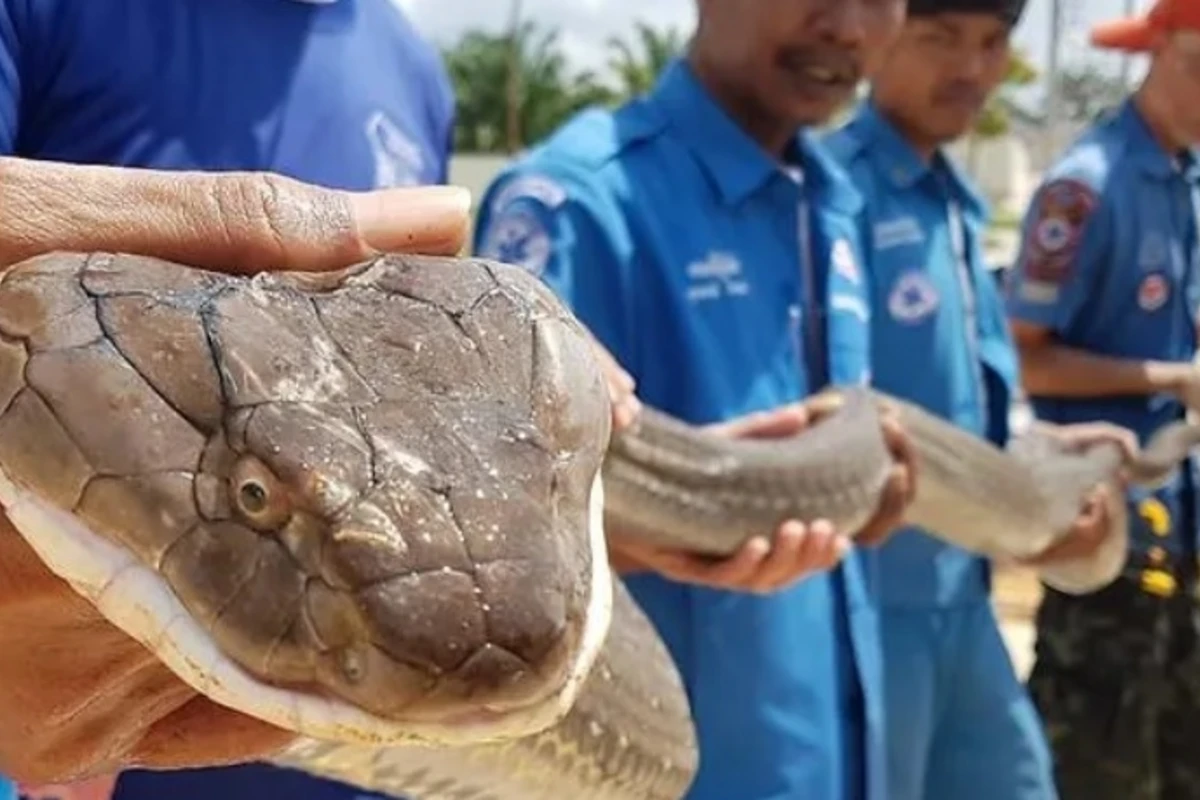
[1008, 10]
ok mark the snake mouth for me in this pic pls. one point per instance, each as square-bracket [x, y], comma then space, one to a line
[136, 599]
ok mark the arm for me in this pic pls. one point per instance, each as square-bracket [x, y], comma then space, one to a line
[1064, 254]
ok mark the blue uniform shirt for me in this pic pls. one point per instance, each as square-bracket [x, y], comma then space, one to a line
[344, 94]
[1108, 264]
[724, 286]
[939, 335]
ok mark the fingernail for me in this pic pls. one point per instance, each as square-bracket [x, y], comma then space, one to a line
[425, 218]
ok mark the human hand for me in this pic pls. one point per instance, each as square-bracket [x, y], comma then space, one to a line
[93, 789]
[621, 387]
[1087, 534]
[1085, 435]
[901, 485]
[80, 698]
[1094, 523]
[761, 565]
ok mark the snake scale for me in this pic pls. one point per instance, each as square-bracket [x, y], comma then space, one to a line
[368, 506]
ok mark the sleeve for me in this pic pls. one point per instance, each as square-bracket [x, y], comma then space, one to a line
[1065, 241]
[11, 12]
[447, 112]
[558, 233]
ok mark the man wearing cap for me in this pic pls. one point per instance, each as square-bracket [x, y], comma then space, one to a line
[960, 723]
[1103, 303]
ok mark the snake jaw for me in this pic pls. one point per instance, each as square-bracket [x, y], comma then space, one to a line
[136, 599]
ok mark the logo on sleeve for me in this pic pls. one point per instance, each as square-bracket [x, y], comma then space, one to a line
[398, 159]
[518, 237]
[844, 263]
[913, 297]
[1056, 229]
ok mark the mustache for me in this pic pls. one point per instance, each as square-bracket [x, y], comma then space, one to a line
[844, 65]
[960, 93]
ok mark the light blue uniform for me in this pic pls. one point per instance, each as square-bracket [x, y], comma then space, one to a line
[959, 722]
[725, 287]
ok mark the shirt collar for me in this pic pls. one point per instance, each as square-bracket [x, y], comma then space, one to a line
[1147, 150]
[899, 161]
[736, 163]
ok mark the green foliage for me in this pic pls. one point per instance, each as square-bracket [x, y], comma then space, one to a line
[548, 90]
[994, 121]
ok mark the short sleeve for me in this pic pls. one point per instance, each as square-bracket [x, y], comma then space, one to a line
[11, 20]
[535, 221]
[1064, 245]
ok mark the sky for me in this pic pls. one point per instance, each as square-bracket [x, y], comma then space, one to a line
[587, 24]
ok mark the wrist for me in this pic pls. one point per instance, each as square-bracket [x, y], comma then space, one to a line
[1169, 376]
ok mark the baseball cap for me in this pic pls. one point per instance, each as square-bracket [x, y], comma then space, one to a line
[1139, 33]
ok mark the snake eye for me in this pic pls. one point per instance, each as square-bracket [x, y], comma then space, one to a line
[253, 497]
[259, 496]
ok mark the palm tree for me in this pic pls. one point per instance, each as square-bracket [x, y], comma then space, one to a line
[546, 90]
[637, 65]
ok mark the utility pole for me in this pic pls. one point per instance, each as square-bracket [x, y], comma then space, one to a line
[513, 87]
[1053, 106]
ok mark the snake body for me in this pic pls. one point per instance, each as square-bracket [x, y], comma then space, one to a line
[368, 506]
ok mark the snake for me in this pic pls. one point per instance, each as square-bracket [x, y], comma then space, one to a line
[369, 506]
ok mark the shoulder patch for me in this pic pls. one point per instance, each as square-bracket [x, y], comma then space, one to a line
[1060, 213]
[517, 234]
[533, 186]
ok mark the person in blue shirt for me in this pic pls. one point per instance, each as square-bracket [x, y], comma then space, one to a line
[708, 241]
[959, 722]
[342, 94]
[1103, 302]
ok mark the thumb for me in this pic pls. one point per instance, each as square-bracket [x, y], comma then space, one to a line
[228, 221]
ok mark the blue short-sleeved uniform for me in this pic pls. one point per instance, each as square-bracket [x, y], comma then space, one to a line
[724, 286]
[342, 94]
[345, 95]
[1108, 265]
[959, 722]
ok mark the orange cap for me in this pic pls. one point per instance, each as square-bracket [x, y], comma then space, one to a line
[1139, 33]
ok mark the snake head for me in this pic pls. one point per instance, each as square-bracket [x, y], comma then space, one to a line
[367, 503]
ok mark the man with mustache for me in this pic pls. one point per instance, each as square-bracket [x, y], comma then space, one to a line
[1103, 304]
[708, 242]
[959, 721]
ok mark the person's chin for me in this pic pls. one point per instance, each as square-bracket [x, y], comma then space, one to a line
[809, 109]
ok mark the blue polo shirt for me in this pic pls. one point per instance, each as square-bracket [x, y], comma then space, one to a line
[939, 334]
[725, 285]
[344, 94]
[1108, 263]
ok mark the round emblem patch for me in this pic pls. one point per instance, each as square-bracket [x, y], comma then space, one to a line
[1053, 234]
[518, 237]
[1153, 292]
[913, 297]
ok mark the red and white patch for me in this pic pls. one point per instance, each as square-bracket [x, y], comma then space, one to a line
[1153, 292]
[1062, 210]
